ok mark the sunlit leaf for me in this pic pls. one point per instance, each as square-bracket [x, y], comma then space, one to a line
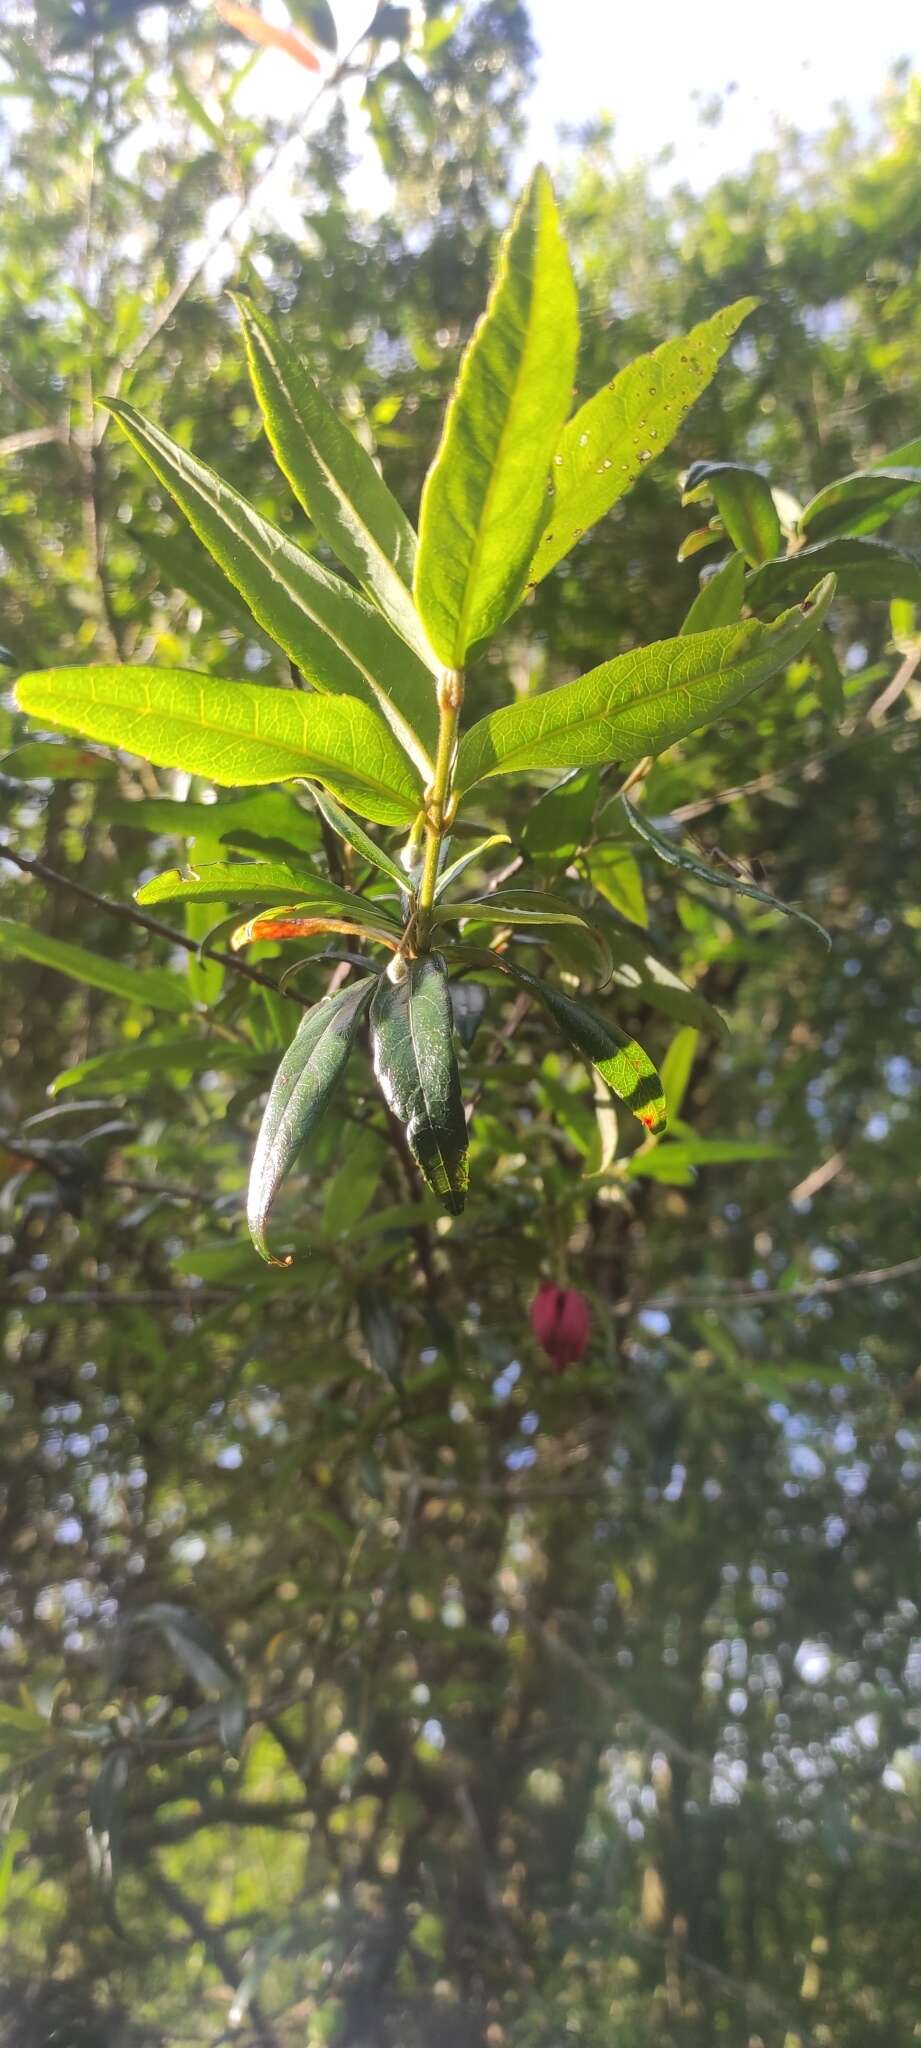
[608, 442]
[640, 703]
[862, 567]
[485, 497]
[334, 477]
[339, 642]
[247, 881]
[232, 732]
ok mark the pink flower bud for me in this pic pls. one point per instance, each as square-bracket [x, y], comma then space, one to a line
[561, 1320]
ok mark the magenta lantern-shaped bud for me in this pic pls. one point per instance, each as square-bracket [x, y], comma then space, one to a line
[561, 1320]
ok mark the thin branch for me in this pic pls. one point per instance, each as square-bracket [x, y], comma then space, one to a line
[32, 866]
[861, 731]
[181, 289]
[802, 1290]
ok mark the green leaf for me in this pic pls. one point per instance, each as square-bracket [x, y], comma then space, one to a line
[357, 839]
[179, 1055]
[44, 760]
[676, 1068]
[615, 872]
[352, 1187]
[744, 503]
[451, 874]
[271, 820]
[607, 443]
[560, 823]
[185, 566]
[524, 908]
[338, 640]
[620, 1060]
[716, 878]
[863, 568]
[232, 732]
[334, 478]
[153, 986]
[640, 703]
[719, 601]
[197, 1646]
[249, 881]
[864, 500]
[413, 1050]
[485, 497]
[301, 1091]
[683, 1153]
[650, 980]
[829, 678]
[317, 20]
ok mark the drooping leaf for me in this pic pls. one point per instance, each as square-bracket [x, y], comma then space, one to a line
[608, 442]
[300, 1093]
[153, 986]
[719, 601]
[861, 502]
[413, 1050]
[640, 703]
[232, 732]
[353, 835]
[452, 873]
[247, 881]
[339, 641]
[716, 878]
[334, 477]
[484, 499]
[744, 502]
[620, 1060]
[863, 568]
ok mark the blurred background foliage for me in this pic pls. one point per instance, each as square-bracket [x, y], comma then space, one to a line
[364, 1682]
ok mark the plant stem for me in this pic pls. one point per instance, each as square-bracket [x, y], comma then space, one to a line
[450, 699]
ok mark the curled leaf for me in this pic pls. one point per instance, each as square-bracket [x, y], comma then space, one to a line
[301, 1091]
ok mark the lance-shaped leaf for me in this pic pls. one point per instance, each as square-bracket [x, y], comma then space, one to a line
[639, 703]
[334, 477]
[453, 872]
[413, 1049]
[863, 568]
[232, 732]
[620, 1060]
[652, 981]
[154, 986]
[744, 503]
[485, 497]
[41, 760]
[861, 502]
[612, 437]
[719, 601]
[562, 820]
[181, 1055]
[717, 878]
[300, 1093]
[247, 881]
[339, 641]
[356, 838]
[522, 908]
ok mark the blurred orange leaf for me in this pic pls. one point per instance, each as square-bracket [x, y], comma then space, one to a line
[251, 25]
